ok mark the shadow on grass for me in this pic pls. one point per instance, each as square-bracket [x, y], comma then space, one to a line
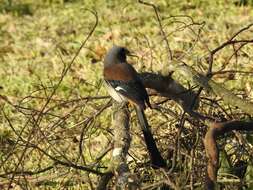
[18, 9]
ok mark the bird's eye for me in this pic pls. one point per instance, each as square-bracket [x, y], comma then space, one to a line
[123, 50]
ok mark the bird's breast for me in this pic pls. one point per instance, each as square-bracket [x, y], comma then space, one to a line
[121, 72]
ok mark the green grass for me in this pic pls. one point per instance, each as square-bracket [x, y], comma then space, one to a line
[35, 35]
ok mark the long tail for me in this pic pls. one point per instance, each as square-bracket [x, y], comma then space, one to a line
[155, 156]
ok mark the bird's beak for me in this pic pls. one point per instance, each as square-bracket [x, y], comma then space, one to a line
[129, 53]
[132, 55]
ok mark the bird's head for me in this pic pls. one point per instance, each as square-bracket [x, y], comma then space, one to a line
[116, 55]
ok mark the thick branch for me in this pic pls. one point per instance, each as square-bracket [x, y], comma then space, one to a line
[209, 85]
[166, 86]
[122, 139]
[212, 151]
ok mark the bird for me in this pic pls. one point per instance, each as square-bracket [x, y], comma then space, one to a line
[124, 85]
[122, 81]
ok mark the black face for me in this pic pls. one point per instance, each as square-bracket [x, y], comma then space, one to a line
[122, 53]
[116, 55]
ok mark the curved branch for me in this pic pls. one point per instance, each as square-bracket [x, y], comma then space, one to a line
[160, 26]
[216, 130]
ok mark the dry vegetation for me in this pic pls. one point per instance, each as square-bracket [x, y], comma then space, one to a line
[56, 128]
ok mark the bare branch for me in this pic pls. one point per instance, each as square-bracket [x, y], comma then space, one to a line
[231, 41]
[219, 130]
[160, 26]
[122, 139]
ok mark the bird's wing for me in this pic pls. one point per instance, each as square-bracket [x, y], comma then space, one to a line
[125, 80]
[134, 91]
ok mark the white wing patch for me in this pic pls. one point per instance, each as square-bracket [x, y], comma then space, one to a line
[114, 94]
[118, 88]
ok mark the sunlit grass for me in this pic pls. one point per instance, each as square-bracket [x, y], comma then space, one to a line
[37, 40]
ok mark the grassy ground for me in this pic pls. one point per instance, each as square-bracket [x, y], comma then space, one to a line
[36, 36]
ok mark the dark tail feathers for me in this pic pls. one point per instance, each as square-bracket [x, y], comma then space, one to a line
[155, 156]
